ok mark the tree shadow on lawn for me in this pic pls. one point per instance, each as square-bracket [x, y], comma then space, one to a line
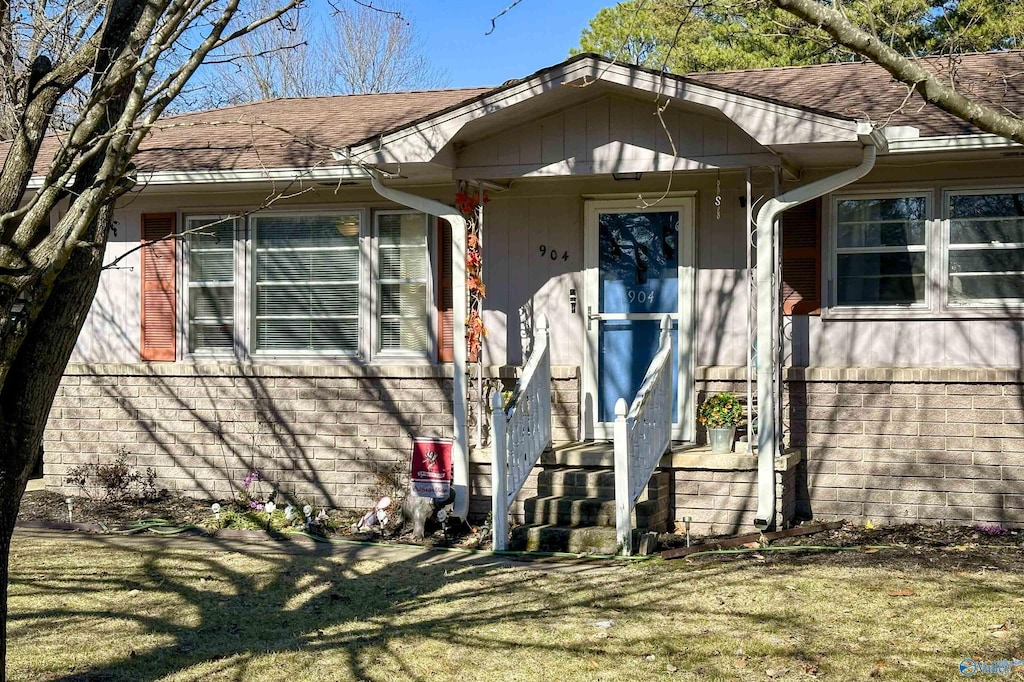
[215, 608]
[319, 600]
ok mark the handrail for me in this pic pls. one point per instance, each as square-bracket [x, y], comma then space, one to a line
[642, 435]
[520, 432]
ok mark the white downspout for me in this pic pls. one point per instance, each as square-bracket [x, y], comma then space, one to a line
[460, 448]
[767, 438]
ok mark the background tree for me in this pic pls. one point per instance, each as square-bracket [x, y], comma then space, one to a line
[713, 35]
[129, 60]
[278, 60]
[354, 48]
[936, 81]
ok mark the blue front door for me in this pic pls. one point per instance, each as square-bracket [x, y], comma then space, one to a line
[637, 270]
[639, 281]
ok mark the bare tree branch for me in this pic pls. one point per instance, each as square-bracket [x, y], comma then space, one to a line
[942, 94]
[499, 15]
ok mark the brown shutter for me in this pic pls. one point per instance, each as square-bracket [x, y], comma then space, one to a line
[158, 299]
[445, 347]
[801, 259]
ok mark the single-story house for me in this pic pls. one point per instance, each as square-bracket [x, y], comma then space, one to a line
[308, 322]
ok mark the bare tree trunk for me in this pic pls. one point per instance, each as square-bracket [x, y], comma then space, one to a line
[50, 273]
[27, 395]
[11, 490]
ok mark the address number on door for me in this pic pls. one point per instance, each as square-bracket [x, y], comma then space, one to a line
[640, 296]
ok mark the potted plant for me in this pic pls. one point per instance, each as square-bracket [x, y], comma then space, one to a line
[720, 413]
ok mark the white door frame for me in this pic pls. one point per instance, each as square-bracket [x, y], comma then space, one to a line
[685, 318]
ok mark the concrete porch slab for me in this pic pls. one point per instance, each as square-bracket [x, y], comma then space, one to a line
[681, 456]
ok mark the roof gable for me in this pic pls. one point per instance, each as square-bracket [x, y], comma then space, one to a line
[766, 120]
[606, 134]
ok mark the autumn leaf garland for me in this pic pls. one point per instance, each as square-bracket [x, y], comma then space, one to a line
[468, 205]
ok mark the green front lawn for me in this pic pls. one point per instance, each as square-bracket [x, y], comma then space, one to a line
[136, 609]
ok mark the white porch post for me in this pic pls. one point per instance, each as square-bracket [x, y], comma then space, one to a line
[460, 407]
[460, 448]
[767, 434]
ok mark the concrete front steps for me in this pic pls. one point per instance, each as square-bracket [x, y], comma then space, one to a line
[574, 510]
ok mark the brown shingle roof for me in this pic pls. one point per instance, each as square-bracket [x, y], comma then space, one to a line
[279, 133]
[865, 90]
[300, 132]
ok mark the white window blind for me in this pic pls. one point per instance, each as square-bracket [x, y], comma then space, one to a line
[403, 269]
[986, 248]
[881, 246]
[307, 282]
[211, 283]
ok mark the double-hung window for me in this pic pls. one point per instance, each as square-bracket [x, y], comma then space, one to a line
[311, 283]
[211, 283]
[895, 251]
[985, 249]
[402, 278]
[306, 283]
[881, 251]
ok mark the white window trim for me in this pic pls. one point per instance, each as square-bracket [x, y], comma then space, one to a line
[184, 270]
[250, 285]
[831, 265]
[375, 352]
[1009, 307]
[244, 290]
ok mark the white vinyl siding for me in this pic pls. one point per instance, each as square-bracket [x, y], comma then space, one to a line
[306, 280]
[881, 248]
[403, 272]
[986, 249]
[211, 283]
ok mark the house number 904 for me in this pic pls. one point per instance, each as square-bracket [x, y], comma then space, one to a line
[640, 296]
[553, 253]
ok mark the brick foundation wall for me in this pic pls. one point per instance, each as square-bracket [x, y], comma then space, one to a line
[891, 445]
[480, 491]
[318, 433]
[911, 445]
[724, 501]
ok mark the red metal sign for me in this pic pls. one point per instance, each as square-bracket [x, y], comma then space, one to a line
[431, 470]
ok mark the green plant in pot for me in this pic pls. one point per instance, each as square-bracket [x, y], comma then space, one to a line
[720, 413]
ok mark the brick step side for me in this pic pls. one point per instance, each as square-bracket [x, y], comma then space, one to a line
[583, 540]
[599, 483]
[575, 512]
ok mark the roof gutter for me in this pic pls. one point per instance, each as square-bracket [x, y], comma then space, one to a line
[873, 141]
[460, 448]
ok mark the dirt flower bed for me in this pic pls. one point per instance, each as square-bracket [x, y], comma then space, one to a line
[943, 547]
[176, 510]
[43, 505]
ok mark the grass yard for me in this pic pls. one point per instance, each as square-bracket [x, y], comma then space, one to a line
[101, 608]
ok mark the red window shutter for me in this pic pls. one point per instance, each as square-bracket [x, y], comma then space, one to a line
[445, 347]
[801, 259]
[158, 299]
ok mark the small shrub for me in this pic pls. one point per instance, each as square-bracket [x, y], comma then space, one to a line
[390, 479]
[116, 480]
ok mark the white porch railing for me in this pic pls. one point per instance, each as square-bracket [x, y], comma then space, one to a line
[642, 435]
[520, 432]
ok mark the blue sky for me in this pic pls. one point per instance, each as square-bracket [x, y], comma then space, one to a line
[535, 34]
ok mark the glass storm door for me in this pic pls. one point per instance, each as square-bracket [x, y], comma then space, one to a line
[639, 270]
